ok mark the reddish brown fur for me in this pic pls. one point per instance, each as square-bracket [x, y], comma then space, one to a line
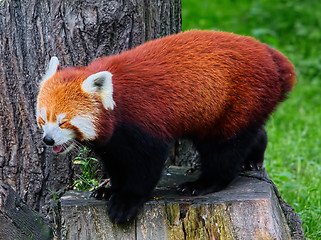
[201, 83]
[198, 83]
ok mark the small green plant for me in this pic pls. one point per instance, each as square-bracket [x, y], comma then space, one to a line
[88, 166]
[54, 195]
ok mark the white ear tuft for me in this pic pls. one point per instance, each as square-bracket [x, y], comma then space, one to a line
[101, 83]
[52, 68]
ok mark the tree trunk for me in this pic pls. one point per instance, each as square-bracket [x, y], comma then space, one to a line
[76, 32]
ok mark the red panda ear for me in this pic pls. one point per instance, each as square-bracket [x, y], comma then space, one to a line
[52, 68]
[101, 84]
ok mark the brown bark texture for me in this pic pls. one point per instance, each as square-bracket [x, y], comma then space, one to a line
[76, 31]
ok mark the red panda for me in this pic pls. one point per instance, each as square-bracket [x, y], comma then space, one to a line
[214, 88]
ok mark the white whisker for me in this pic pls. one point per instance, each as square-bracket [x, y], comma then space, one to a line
[78, 145]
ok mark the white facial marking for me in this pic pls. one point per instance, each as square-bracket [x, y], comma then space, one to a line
[52, 68]
[85, 124]
[101, 83]
[60, 136]
[60, 117]
[37, 111]
[44, 113]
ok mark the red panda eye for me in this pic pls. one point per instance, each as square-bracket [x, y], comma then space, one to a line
[61, 123]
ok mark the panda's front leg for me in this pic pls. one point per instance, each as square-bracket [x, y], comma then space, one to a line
[134, 163]
[136, 185]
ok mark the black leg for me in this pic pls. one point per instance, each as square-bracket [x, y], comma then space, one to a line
[221, 162]
[134, 161]
[255, 158]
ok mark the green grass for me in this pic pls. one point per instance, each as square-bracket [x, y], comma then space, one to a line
[293, 157]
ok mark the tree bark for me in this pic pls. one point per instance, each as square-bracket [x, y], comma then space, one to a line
[76, 31]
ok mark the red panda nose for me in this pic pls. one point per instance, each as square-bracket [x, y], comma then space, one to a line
[48, 140]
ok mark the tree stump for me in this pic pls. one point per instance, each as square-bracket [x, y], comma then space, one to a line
[247, 209]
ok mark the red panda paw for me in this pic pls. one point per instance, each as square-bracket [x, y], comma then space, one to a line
[103, 193]
[199, 188]
[123, 207]
[252, 166]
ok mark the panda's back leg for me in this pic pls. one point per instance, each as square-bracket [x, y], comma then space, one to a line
[255, 157]
[222, 160]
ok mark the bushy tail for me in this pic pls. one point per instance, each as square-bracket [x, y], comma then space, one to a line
[286, 71]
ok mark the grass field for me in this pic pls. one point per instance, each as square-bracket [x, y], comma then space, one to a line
[293, 157]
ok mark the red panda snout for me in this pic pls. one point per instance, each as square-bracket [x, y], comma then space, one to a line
[48, 140]
[60, 139]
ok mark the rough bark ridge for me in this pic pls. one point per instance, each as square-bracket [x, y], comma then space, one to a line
[76, 32]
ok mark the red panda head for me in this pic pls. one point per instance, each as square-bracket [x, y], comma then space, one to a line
[71, 105]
